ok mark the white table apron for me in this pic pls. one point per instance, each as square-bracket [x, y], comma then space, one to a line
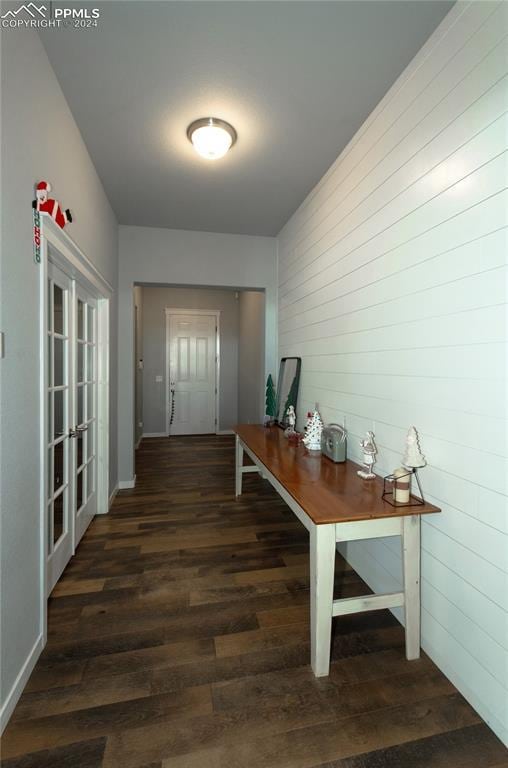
[323, 541]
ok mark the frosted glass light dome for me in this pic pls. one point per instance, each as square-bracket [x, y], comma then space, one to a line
[211, 137]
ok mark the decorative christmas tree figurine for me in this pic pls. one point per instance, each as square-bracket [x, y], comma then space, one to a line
[312, 439]
[369, 451]
[413, 457]
[307, 422]
[271, 401]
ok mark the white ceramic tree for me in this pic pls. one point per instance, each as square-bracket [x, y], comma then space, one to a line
[312, 439]
[413, 457]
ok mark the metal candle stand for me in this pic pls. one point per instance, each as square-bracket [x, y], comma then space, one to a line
[388, 494]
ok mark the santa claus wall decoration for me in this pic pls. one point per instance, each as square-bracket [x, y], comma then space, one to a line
[45, 204]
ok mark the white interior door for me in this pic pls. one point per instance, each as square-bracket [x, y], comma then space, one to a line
[192, 374]
[72, 417]
[85, 415]
[59, 407]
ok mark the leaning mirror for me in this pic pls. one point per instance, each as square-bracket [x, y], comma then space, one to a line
[287, 387]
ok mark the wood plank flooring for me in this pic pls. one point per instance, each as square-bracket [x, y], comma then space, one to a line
[179, 637]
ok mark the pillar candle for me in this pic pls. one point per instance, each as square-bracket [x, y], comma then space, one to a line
[401, 485]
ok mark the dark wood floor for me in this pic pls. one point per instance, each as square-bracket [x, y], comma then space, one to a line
[179, 638]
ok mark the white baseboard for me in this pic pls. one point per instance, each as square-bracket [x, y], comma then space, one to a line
[154, 434]
[224, 432]
[20, 682]
[124, 485]
[112, 495]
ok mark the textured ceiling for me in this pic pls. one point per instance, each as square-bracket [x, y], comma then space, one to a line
[296, 79]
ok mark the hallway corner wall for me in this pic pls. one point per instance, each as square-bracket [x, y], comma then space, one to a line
[138, 361]
[251, 351]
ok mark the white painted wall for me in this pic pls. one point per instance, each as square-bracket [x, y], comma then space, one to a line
[251, 352]
[179, 257]
[156, 300]
[392, 289]
[40, 140]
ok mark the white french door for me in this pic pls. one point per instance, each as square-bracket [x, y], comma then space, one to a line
[59, 459]
[85, 416]
[71, 499]
[192, 372]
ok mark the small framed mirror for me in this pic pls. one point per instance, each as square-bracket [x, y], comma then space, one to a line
[287, 387]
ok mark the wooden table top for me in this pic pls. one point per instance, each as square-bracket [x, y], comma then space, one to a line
[327, 492]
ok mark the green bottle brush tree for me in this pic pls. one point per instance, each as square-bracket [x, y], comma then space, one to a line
[271, 400]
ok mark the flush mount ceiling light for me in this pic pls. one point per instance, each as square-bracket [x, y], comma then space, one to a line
[211, 137]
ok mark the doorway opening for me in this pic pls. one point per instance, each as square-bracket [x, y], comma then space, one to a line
[199, 359]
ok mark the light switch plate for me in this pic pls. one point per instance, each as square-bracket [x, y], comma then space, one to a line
[158, 379]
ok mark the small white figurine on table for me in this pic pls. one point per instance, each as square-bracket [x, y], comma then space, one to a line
[369, 451]
[290, 420]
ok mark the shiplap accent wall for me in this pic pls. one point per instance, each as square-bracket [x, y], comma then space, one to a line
[392, 289]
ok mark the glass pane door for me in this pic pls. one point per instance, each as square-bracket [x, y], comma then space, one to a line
[71, 496]
[59, 449]
[86, 410]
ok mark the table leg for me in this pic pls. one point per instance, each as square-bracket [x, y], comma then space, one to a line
[322, 567]
[238, 466]
[411, 574]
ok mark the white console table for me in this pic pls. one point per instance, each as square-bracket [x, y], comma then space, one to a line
[336, 505]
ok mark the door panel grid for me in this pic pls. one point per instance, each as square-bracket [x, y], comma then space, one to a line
[58, 410]
[71, 498]
[86, 383]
